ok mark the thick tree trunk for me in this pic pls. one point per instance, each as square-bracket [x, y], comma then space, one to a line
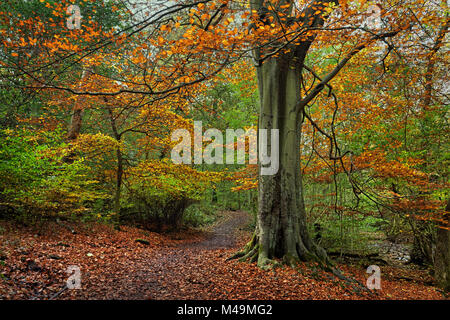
[442, 254]
[281, 230]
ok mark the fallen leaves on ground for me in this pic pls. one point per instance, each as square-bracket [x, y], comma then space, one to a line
[183, 265]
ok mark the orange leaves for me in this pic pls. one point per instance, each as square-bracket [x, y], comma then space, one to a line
[378, 161]
[245, 179]
[33, 42]
[120, 39]
[22, 42]
[225, 42]
[165, 27]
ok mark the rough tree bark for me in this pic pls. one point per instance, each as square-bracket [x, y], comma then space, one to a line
[281, 230]
[75, 122]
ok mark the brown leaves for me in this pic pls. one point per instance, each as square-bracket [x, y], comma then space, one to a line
[114, 266]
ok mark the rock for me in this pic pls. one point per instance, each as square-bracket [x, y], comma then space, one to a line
[56, 257]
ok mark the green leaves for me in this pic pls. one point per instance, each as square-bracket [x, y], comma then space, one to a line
[35, 179]
[161, 190]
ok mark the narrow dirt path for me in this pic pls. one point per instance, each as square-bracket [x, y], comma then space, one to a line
[223, 235]
[171, 271]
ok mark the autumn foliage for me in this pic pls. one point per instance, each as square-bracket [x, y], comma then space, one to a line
[87, 116]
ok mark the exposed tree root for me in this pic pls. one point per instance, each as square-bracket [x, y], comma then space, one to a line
[252, 252]
[248, 247]
[356, 285]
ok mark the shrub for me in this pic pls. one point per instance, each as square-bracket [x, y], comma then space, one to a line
[200, 214]
[351, 234]
[159, 192]
[36, 182]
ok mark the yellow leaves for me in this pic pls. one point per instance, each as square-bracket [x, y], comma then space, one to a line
[228, 21]
[96, 145]
[167, 178]
[138, 58]
[161, 40]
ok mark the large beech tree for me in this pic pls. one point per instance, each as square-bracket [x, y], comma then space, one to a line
[281, 229]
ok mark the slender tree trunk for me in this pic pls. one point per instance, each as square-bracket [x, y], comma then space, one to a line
[77, 111]
[119, 171]
[74, 129]
[76, 120]
[442, 254]
[119, 175]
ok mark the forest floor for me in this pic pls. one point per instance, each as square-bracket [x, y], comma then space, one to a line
[189, 264]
